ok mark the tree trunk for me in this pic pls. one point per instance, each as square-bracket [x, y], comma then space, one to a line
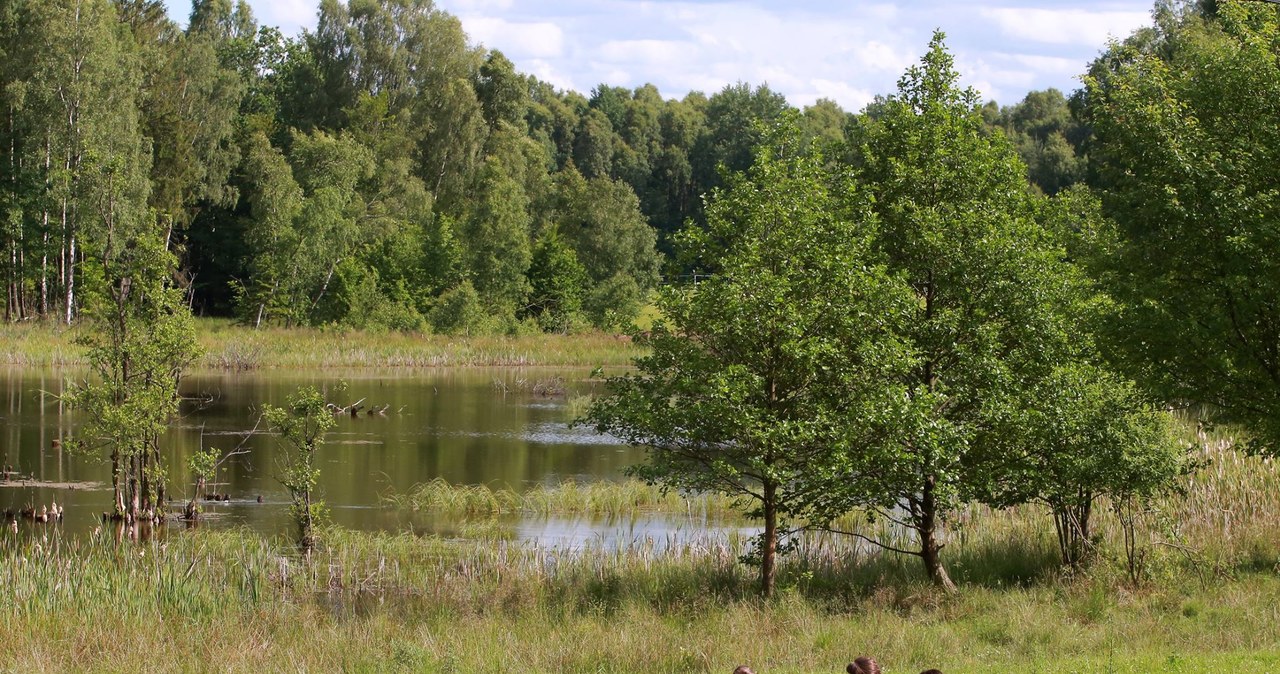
[23, 309]
[117, 488]
[133, 488]
[1071, 520]
[769, 546]
[44, 230]
[308, 533]
[325, 287]
[930, 548]
[71, 279]
[927, 516]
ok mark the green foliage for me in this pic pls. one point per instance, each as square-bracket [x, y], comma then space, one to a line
[602, 220]
[275, 202]
[204, 463]
[614, 303]
[756, 372]
[140, 337]
[1048, 138]
[557, 281]
[502, 91]
[302, 424]
[1090, 436]
[459, 311]
[497, 234]
[1002, 385]
[1184, 155]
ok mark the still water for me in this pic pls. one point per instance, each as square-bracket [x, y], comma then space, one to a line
[499, 427]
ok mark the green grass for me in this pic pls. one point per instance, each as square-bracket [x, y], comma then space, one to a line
[227, 346]
[232, 601]
[611, 499]
[649, 314]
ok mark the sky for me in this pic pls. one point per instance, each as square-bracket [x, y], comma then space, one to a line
[844, 50]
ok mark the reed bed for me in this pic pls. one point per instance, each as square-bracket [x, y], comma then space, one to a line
[605, 499]
[233, 347]
[39, 345]
[227, 346]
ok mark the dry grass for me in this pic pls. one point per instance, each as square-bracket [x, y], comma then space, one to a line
[234, 602]
[226, 346]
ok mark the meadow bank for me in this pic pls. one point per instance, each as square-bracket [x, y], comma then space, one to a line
[232, 601]
[227, 346]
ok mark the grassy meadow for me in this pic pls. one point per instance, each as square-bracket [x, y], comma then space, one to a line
[1208, 598]
[228, 346]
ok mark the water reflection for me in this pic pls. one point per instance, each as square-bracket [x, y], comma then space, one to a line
[475, 426]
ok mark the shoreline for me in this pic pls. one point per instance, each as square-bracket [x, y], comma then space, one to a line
[229, 347]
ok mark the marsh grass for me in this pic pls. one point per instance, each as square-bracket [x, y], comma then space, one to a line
[232, 601]
[604, 499]
[39, 344]
[227, 346]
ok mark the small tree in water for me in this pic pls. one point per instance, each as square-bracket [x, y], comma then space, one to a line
[302, 424]
[140, 337]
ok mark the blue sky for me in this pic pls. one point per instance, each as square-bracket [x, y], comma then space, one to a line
[846, 50]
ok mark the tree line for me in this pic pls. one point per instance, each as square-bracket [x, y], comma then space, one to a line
[379, 171]
[899, 325]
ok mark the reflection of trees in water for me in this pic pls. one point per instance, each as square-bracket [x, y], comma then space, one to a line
[448, 424]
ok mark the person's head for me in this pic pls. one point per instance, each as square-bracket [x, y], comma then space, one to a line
[931, 671]
[743, 669]
[863, 665]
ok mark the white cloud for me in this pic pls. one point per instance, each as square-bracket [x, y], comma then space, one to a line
[548, 73]
[534, 39]
[879, 56]
[290, 16]
[846, 50]
[479, 5]
[654, 53]
[851, 98]
[1064, 26]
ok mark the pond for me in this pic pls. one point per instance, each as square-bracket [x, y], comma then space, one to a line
[499, 427]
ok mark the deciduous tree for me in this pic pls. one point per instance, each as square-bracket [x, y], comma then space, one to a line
[758, 371]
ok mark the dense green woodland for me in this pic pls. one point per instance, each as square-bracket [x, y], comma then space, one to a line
[378, 172]
[927, 304]
[899, 324]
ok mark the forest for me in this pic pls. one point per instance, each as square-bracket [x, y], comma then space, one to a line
[378, 172]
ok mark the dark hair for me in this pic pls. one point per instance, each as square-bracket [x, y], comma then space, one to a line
[932, 671]
[863, 665]
[743, 669]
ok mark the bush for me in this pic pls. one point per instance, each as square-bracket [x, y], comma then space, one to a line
[459, 311]
[615, 303]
